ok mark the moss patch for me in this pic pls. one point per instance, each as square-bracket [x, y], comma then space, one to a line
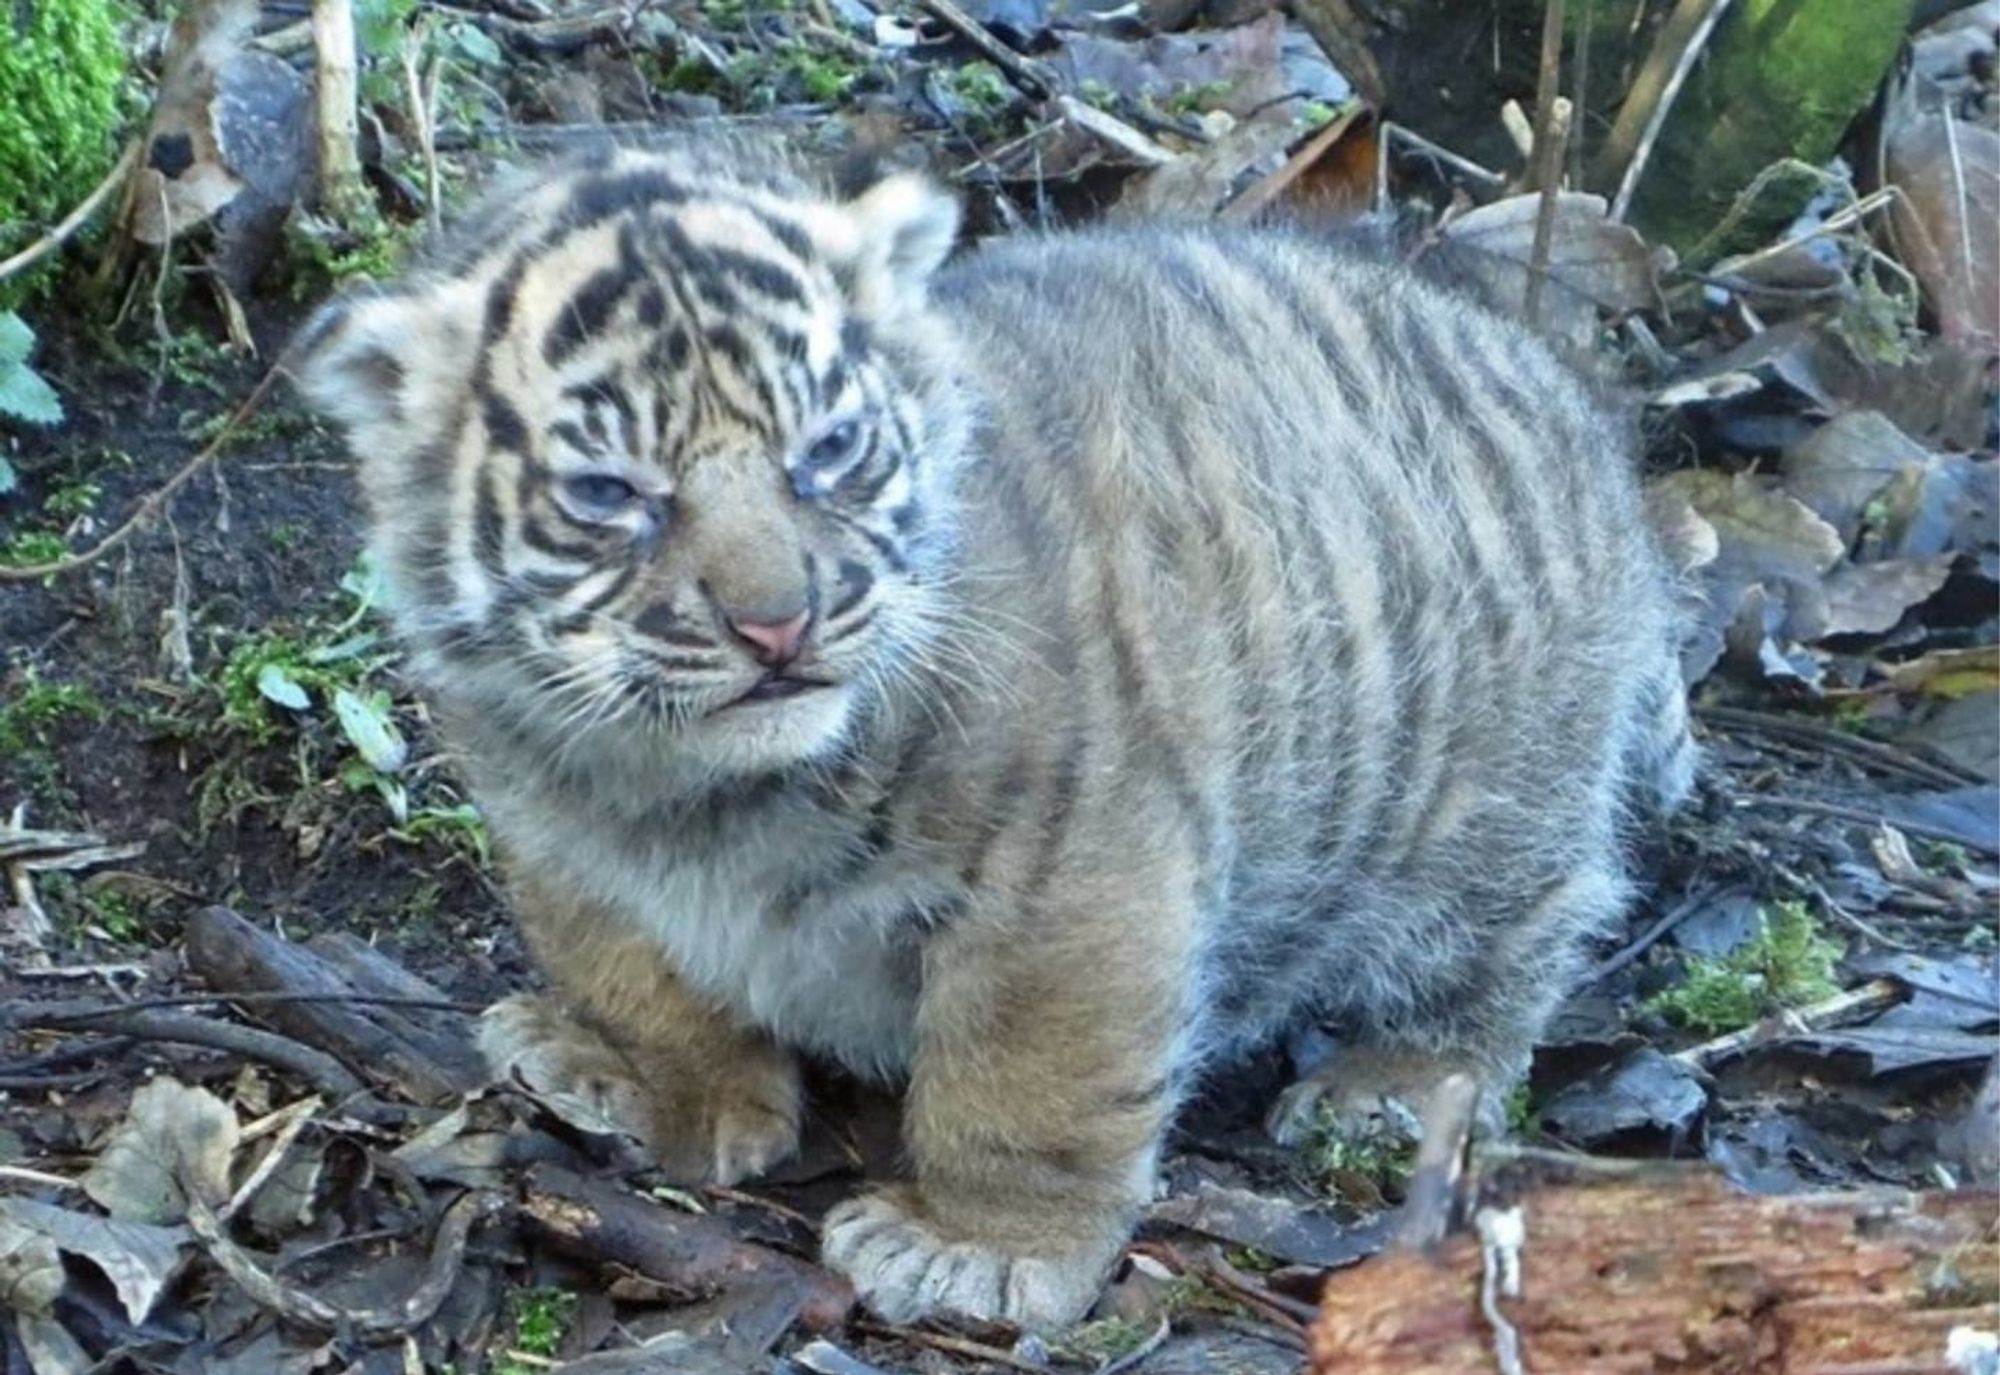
[61, 69]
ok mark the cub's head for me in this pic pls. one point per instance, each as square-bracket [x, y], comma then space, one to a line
[657, 456]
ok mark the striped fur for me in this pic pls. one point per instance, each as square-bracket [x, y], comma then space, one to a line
[1219, 629]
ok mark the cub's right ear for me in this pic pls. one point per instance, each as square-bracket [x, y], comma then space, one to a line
[383, 364]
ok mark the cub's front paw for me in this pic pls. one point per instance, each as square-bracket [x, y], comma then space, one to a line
[906, 1266]
[713, 1118]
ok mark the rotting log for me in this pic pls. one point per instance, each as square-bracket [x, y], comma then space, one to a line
[597, 1222]
[428, 1056]
[1656, 1267]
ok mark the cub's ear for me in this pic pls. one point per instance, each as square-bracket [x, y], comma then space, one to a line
[904, 227]
[383, 364]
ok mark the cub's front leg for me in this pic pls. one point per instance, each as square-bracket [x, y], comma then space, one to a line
[1043, 1083]
[713, 1101]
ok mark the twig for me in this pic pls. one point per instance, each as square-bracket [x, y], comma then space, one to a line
[1551, 133]
[957, 1346]
[151, 507]
[1877, 995]
[326, 1073]
[1433, 1194]
[1653, 934]
[1140, 1352]
[1886, 757]
[67, 227]
[421, 115]
[76, 1013]
[23, 1175]
[1861, 816]
[1654, 91]
[1034, 79]
[290, 1121]
[441, 1272]
[774, 1208]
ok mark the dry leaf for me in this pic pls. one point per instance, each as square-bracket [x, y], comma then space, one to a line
[140, 1260]
[1838, 469]
[1869, 598]
[172, 1135]
[1950, 672]
[31, 1274]
[1947, 221]
[1604, 262]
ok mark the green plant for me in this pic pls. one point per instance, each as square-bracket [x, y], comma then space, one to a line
[25, 395]
[1105, 1340]
[34, 705]
[72, 498]
[26, 548]
[62, 68]
[1787, 963]
[459, 827]
[541, 1318]
[981, 92]
[1197, 98]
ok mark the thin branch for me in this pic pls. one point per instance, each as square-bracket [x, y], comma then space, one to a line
[67, 227]
[1863, 817]
[1551, 133]
[1872, 753]
[1653, 934]
[1654, 91]
[1857, 1004]
[149, 509]
[1029, 75]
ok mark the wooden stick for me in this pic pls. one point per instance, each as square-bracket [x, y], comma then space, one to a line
[1653, 92]
[1551, 132]
[1877, 995]
[1034, 79]
[76, 219]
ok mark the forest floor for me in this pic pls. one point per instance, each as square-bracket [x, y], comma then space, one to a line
[208, 717]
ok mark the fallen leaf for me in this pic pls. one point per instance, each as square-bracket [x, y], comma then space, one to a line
[1648, 1094]
[31, 1273]
[140, 1260]
[1275, 1226]
[1772, 556]
[1947, 220]
[1949, 673]
[172, 1135]
[1591, 255]
[1839, 467]
[1869, 598]
[50, 1348]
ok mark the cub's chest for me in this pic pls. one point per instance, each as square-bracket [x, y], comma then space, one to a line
[788, 922]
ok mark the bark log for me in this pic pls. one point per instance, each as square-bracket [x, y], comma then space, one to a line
[428, 1056]
[1655, 1269]
[602, 1224]
[336, 88]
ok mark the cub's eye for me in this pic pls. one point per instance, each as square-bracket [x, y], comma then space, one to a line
[597, 495]
[836, 447]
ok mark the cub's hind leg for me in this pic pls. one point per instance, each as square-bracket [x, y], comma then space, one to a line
[712, 1101]
[1485, 1026]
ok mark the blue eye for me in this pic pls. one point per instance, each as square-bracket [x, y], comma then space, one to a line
[836, 447]
[598, 494]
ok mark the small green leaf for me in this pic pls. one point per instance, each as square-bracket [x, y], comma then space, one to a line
[9, 480]
[353, 647]
[278, 685]
[17, 341]
[367, 725]
[475, 46]
[363, 581]
[25, 396]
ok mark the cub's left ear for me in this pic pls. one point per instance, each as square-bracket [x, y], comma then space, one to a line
[904, 227]
[381, 364]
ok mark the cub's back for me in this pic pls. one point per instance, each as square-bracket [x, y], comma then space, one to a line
[1353, 570]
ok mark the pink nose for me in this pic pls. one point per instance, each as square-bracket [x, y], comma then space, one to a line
[773, 642]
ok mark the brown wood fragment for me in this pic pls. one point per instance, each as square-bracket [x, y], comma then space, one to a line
[429, 1057]
[1664, 1268]
[596, 1221]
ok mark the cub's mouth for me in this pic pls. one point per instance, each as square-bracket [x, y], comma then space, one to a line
[774, 687]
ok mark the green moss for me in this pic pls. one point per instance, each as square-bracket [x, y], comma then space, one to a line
[62, 67]
[32, 706]
[1787, 964]
[541, 1318]
[1781, 79]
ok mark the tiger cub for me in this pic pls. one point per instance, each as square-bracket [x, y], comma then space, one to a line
[1030, 680]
